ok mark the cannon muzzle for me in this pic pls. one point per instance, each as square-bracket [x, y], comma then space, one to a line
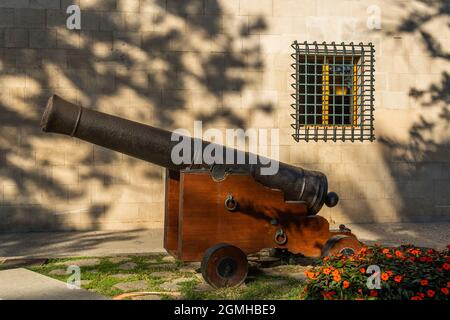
[155, 145]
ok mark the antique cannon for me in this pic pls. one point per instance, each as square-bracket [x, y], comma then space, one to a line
[217, 211]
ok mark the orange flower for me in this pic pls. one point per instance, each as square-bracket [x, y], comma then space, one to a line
[431, 293]
[390, 273]
[424, 282]
[444, 291]
[446, 266]
[384, 276]
[335, 272]
[398, 253]
[385, 250]
[326, 271]
[415, 251]
[398, 279]
[360, 299]
[337, 278]
[416, 298]
[345, 284]
[325, 259]
[362, 270]
[373, 293]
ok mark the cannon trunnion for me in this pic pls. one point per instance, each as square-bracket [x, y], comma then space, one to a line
[217, 220]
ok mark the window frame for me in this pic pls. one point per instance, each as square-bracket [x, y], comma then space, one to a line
[360, 126]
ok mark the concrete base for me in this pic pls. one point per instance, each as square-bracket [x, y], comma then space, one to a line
[98, 244]
[80, 244]
[22, 284]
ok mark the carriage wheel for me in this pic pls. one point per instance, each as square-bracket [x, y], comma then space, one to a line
[346, 245]
[224, 265]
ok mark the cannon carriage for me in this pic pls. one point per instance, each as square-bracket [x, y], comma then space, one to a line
[217, 213]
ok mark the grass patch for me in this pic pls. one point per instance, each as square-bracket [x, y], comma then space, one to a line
[101, 279]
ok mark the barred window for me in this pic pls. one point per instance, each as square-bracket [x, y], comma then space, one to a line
[334, 87]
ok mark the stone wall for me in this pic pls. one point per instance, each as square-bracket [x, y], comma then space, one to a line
[227, 63]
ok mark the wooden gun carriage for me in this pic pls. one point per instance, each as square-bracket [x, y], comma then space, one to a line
[217, 213]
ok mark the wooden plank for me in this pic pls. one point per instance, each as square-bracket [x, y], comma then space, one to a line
[171, 209]
[204, 220]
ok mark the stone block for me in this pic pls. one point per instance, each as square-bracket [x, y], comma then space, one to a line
[14, 3]
[255, 7]
[103, 5]
[6, 17]
[128, 5]
[29, 18]
[294, 8]
[16, 38]
[112, 21]
[45, 4]
[222, 7]
[42, 38]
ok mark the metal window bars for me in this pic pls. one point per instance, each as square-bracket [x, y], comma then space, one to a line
[334, 91]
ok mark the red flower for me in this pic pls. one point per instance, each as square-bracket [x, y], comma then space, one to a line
[448, 247]
[430, 251]
[448, 284]
[420, 294]
[444, 291]
[416, 298]
[328, 295]
[431, 293]
[424, 282]
[345, 284]
[385, 250]
[373, 293]
[360, 291]
[412, 259]
[389, 256]
[398, 253]
[362, 270]
[446, 266]
[390, 273]
[398, 279]
[422, 259]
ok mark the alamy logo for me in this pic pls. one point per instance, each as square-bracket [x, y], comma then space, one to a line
[74, 20]
[186, 152]
[74, 280]
[374, 281]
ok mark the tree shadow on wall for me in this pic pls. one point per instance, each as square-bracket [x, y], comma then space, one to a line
[147, 67]
[418, 167]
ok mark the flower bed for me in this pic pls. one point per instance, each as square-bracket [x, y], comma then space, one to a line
[406, 273]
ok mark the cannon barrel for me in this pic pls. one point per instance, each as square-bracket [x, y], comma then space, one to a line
[155, 145]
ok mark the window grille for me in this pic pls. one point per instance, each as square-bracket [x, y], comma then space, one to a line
[334, 86]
